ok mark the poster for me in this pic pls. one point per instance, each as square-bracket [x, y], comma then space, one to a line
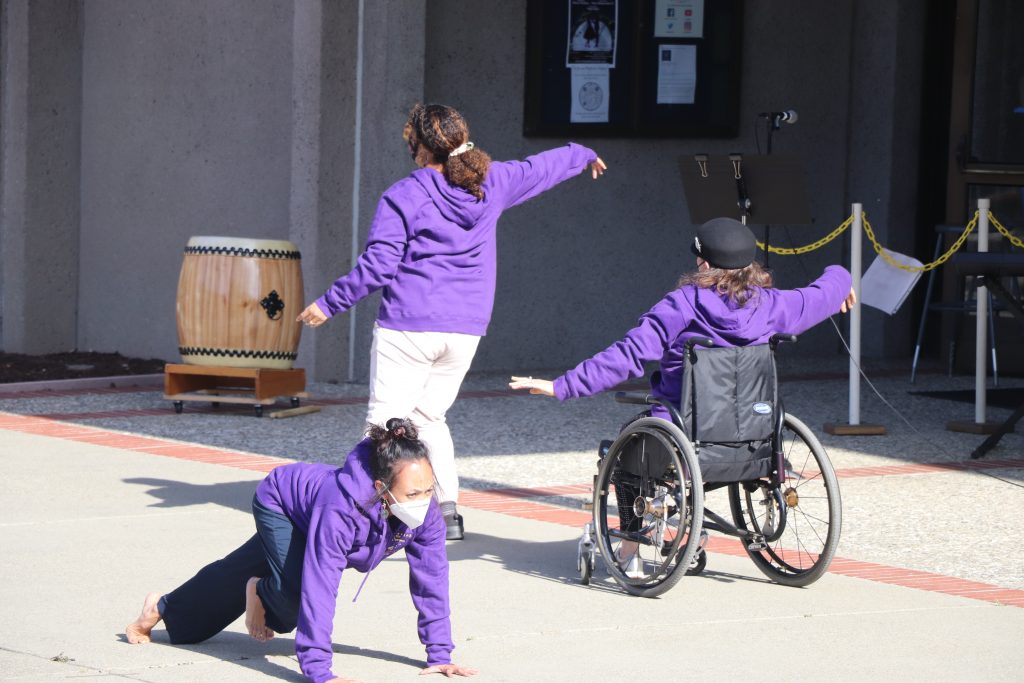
[589, 94]
[679, 19]
[677, 74]
[593, 27]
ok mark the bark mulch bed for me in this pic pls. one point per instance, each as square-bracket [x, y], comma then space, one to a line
[17, 367]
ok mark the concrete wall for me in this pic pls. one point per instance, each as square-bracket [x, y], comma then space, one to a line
[40, 106]
[186, 114]
[578, 265]
[265, 119]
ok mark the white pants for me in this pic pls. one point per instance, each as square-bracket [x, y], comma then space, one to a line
[417, 375]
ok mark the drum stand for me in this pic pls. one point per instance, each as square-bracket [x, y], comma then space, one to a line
[257, 387]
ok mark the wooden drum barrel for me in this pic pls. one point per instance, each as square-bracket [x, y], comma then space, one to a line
[237, 302]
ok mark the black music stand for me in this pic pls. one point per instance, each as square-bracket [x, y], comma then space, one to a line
[768, 190]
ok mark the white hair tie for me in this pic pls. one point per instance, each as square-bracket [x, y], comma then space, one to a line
[464, 147]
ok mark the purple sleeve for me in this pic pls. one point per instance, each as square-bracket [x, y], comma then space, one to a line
[376, 266]
[428, 585]
[330, 535]
[625, 359]
[798, 310]
[517, 181]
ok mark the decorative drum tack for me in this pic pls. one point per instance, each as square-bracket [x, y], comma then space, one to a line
[237, 302]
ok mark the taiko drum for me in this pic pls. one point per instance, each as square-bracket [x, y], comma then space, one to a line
[237, 302]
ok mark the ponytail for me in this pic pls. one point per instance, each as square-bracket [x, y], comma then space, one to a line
[441, 130]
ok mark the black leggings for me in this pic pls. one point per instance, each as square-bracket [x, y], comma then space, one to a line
[204, 605]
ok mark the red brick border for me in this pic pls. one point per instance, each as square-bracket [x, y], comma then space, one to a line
[512, 501]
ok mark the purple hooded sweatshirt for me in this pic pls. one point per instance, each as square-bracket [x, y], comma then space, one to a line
[330, 506]
[662, 332]
[432, 245]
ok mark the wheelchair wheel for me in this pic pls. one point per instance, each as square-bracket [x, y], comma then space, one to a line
[649, 496]
[798, 525]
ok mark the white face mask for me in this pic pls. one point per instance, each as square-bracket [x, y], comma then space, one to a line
[411, 513]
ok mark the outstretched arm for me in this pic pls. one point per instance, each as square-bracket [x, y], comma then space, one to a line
[375, 267]
[519, 181]
[801, 309]
[622, 360]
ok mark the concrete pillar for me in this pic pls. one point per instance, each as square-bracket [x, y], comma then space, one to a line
[40, 142]
[350, 105]
[884, 140]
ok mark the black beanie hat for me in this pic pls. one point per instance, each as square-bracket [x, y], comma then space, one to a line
[725, 243]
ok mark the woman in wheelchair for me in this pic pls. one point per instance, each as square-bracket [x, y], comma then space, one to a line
[728, 300]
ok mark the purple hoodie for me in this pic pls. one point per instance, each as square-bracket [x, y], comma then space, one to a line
[661, 333]
[432, 246]
[329, 506]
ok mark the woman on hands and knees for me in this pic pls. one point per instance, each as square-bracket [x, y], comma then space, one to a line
[313, 521]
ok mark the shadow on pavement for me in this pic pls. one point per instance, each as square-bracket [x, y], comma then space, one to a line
[240, 649]
[236, 495]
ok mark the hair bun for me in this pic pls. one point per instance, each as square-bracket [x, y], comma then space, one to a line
[398, 428]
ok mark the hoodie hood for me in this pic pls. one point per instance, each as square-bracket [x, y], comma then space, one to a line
[725, 318]
[453, 203]
[355, 482]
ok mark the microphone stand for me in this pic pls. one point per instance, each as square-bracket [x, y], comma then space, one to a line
[774, 123]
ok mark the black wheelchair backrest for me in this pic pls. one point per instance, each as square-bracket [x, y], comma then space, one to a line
[729, 394]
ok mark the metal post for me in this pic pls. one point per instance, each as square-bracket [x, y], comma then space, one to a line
[855, 270]
[981, 321]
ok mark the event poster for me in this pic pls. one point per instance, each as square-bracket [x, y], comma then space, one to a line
[677, 74]
[589, 94]
[593, 26]
[679, 19]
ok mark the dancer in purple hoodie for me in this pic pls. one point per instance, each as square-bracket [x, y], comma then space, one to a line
[432, 250]
[313, 521]
[729, 299]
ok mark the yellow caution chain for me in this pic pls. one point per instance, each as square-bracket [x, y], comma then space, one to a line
[884, 253]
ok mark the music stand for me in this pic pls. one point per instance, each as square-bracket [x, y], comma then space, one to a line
[768, 189]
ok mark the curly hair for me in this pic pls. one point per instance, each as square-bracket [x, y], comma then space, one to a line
[433, 131]
[738, 284]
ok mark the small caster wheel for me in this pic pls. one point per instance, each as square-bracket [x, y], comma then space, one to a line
[258, 409]
[179, 406]
[700, 561]
[585, 566]
[295, 401]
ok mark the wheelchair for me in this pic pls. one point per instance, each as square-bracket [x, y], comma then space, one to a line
[729, 431]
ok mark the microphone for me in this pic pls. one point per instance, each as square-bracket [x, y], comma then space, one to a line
[789, 116]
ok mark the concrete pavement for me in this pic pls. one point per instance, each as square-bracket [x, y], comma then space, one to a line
[93, 519]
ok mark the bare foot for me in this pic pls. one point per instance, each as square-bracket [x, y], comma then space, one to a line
[138, 631]
[255, 615]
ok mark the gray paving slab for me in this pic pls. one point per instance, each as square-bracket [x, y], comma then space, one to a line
[87, 530]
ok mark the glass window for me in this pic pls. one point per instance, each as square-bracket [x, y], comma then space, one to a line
[997, 134]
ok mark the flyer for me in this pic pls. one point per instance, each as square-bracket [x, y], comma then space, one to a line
[593, 27]
[589, 95]
[677, 74]
[885, 287]
[679, 19]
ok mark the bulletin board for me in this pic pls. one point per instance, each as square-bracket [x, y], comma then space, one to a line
[633, 68]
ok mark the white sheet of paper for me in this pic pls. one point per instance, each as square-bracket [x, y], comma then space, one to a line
[590, 94]
[679, 19]
[677, 74]
[886, 287]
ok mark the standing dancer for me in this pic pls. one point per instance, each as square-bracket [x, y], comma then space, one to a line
[313, 521]
[432, 249]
